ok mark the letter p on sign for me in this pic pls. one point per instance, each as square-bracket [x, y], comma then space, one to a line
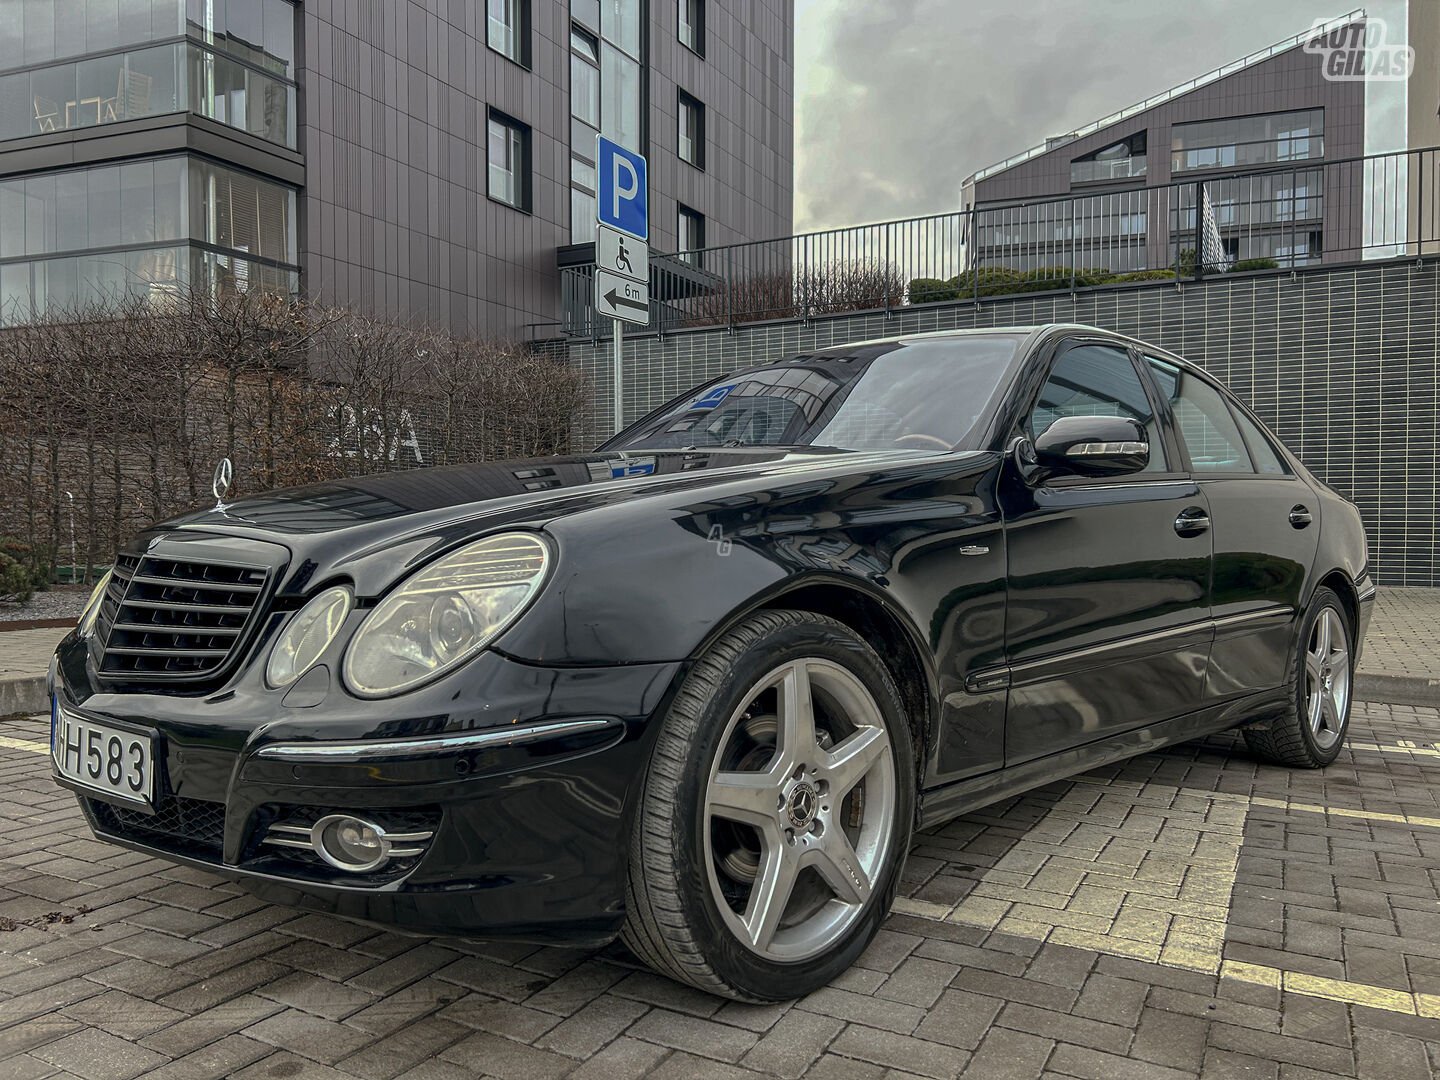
[622, 202]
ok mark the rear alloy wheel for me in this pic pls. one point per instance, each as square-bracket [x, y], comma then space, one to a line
[775, 814]
[1311, 731]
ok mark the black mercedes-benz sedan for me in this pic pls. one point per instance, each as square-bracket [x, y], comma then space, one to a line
[698, 687]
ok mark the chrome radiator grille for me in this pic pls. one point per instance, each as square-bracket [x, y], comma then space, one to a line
[170, 618]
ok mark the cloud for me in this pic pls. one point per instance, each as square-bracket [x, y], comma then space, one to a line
[899, 101]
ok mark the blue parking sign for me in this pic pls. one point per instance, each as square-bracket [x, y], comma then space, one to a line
[622, 202]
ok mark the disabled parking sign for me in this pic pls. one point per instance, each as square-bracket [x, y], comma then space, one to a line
[622, 201]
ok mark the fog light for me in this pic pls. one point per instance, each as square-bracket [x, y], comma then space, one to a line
[350, 843]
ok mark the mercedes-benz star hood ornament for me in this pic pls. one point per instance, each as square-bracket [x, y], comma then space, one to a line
[224, 474]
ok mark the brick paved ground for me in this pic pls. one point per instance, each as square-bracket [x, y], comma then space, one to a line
[1404, 634]
[1187, 913]
[26, 653]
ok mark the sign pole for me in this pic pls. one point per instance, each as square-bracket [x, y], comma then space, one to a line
[622, 250]
[618, 377]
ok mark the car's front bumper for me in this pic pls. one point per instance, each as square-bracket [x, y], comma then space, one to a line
[523, 773]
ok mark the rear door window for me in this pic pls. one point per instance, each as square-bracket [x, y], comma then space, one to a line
[1267, 461]
[1206, 424]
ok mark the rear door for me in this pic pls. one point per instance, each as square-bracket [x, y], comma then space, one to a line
[1265, 528]
[1107, 617]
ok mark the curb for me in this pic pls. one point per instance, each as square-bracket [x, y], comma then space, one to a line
[1398, 689]
[23, 696]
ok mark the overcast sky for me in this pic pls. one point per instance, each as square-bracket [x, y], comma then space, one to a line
[899, 100]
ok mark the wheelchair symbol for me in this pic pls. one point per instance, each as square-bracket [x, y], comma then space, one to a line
[622, 259]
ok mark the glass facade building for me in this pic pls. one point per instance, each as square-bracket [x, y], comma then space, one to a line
[87, 64]
[148, 225]
[93, 236]
[439, 166]
[1253, 163]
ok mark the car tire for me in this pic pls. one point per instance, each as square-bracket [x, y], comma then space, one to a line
[1311, 731]
[738, 801]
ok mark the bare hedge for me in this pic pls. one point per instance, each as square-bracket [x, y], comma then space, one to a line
[831, 288]
[112, 417]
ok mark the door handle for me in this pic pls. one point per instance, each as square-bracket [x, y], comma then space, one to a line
[1300, 516]
[1193, 521]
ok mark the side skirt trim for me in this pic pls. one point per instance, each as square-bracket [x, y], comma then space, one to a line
[943, 803]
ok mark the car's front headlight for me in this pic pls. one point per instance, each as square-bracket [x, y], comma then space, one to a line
[92, 606]
[443, 615]
[307, 636]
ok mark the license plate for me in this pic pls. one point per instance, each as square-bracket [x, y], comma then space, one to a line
[102, 758]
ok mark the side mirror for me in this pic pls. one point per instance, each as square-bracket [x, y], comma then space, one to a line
[1092, 446]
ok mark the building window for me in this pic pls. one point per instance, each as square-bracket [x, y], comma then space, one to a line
[587, 12]
[620, 97]
[584, 126]
[509, 159]
[692, 25]
[112, 233]
[237, 71]
[692, 130]
[585, 79]
[582, 201]
[606, 95]
[1117, 161]
[620, 24]
[1248, 140]
[691, 229]
[621, 82]
[508, 29]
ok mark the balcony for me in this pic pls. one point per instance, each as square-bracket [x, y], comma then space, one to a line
[181, 76]
[1084, 172]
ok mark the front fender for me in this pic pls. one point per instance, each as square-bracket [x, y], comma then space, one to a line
[651, 584]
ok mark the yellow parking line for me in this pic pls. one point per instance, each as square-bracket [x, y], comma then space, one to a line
[1351, 993]
[23, 744]
[1346, 812]
[1404, 746]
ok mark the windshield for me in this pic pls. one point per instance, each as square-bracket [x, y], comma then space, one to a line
[923, 394]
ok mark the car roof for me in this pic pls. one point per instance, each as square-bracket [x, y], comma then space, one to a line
[1031, 333]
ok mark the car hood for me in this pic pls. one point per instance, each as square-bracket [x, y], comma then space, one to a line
[372, 529]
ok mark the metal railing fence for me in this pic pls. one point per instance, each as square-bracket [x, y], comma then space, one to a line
[1282, 217]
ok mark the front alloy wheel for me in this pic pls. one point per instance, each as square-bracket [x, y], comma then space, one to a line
[801, 807]
[775, 813]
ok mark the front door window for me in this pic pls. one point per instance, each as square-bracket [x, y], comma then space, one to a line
[1097, 380]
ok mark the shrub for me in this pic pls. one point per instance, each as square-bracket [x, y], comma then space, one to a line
[929, 290]
[129, 409]
[988, 281]
[1004, 281]
[847, 285]
[16, 581]
[1147, 275]
[1254, 264]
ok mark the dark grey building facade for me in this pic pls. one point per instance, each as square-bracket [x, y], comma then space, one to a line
[429, 160]
[1147, 187]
